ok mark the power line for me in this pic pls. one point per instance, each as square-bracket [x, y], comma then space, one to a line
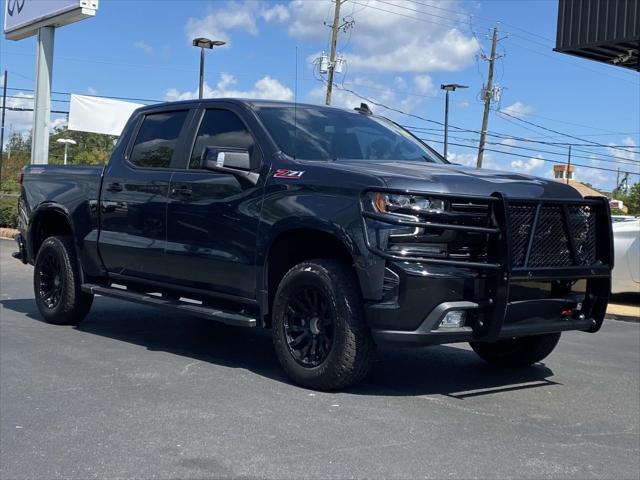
[553, 152]
[562, 161]
[421, 12]
[597, 156]
[373, 102]
[502, 112]
[99, 96]
[423, 20]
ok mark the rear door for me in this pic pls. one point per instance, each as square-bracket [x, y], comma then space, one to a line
[212, 216]
[134, 196]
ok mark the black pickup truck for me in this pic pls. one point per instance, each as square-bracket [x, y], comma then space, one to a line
[338, 230]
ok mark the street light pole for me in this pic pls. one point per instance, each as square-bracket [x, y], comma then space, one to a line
[448, 88]
[66, 142]
[201, 87]
[203, 43]
[446, 123]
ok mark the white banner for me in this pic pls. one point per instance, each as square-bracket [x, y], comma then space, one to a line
[99, 115]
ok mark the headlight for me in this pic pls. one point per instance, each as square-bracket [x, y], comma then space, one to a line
[407, 204]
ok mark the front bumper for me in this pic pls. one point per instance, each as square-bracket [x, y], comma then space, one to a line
[501, 298]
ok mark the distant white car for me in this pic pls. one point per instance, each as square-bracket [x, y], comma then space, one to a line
[626, 245]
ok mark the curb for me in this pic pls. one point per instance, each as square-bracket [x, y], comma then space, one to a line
[622, 317]
[8, 233]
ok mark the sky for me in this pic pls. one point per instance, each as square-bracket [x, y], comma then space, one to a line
[397, 53]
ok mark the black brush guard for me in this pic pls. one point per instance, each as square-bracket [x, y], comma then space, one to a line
[529, 239]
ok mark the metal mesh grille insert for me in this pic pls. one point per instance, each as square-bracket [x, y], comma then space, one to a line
[551, 245]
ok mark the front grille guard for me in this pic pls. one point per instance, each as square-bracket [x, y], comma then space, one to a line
[502, 268]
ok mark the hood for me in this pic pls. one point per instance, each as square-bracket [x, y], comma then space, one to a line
[449, 178]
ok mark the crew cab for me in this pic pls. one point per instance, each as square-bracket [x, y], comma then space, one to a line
[337, 229]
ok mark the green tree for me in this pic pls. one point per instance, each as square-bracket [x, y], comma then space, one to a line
[90, 148]
[15, 155]
[630, 199]
[633, 200]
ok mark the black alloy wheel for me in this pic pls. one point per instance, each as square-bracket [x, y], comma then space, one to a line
[51, 280]
[319, 330]
[308, 325]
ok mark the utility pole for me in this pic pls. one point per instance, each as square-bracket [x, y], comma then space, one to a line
[487, 93]
[332, 56]
[4, 109]
[568, 166]
[9, 144]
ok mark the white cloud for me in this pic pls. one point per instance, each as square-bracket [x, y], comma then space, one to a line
[424, 85]
[21, 121]
[217, 23]
[597, 178]
[58, 123]
[92, 91]
[466, 159]
[144, 46]
[508, 143]
[392, 96]
[624, 153]
[527, 166]
[384, 42]
[276, 13]
[470, 159]
[265, 88]
[518, 109]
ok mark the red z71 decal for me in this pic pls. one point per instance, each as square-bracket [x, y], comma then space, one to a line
[290, 174]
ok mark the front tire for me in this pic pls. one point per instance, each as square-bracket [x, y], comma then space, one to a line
[517, 352]
[56, 283]
[319, 332]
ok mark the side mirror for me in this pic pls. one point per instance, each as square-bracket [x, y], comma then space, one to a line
[234, 158]
[235, 161]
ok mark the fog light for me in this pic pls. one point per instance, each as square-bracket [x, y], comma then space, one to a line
[454, 319]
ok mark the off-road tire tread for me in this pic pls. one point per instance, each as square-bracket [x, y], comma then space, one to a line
[74, 304]
[359, 351]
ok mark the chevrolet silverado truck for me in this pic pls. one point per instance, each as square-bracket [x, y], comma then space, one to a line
[338, 230]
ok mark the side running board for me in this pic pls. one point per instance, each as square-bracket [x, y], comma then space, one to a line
[224, 316]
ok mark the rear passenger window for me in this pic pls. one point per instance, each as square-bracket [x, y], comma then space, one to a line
[222, 128]
[157, 139]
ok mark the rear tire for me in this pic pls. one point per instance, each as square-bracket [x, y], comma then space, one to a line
[319, 332]
[56, 283]
[517, 352]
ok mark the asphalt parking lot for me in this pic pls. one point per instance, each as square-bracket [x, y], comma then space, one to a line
[137, 392]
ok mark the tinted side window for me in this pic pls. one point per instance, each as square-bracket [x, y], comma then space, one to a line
[157, 139]
[222, 128]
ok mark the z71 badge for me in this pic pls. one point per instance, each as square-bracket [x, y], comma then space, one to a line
[290, 174]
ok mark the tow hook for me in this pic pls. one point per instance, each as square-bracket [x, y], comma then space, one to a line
[574, 313]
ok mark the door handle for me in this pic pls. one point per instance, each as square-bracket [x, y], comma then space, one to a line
[181, 191]
[115, 187]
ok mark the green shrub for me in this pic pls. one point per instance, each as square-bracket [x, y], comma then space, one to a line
[9, 212]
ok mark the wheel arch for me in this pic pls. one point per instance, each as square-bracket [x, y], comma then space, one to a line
[293, 245]
[47, 221]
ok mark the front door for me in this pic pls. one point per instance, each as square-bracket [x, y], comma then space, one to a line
[134, 198]
[212, 216]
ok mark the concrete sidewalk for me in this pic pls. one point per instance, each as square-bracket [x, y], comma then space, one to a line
[624, 307]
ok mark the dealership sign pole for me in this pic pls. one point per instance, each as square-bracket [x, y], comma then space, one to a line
[24, 18]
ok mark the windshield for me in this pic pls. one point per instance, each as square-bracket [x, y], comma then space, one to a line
[333, 134]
